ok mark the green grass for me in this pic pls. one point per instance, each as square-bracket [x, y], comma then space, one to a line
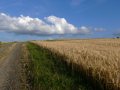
[0, 43]
[48, 72]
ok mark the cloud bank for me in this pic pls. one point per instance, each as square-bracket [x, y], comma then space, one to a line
[34, 26]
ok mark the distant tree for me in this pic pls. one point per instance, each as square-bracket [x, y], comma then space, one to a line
[117, 37]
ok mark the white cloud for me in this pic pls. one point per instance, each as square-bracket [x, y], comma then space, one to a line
[35, 26]
[84, 30]
[99, 29]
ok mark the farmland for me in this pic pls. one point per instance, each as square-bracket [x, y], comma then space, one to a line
[97, 59]
[84, 64]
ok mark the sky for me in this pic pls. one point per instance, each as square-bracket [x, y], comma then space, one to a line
[58, 19]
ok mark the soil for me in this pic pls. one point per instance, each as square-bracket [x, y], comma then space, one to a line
[10, 67]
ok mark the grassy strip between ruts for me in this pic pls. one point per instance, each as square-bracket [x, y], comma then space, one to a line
[48, 72]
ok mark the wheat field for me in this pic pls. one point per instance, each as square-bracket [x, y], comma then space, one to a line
[98, 58]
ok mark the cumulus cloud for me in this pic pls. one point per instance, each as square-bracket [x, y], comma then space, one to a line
[35, 26]
[84, 30]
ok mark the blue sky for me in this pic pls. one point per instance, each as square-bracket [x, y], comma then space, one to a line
[59, 18]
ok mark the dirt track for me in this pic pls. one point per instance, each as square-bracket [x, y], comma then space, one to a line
[9, 66]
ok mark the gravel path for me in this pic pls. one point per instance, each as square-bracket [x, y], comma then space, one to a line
[9, 66]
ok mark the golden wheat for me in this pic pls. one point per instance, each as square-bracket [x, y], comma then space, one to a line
[99, 57]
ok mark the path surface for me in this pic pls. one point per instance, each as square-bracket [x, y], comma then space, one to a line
[9, 66]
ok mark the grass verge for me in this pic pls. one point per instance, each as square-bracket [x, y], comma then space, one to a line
[49, 72]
